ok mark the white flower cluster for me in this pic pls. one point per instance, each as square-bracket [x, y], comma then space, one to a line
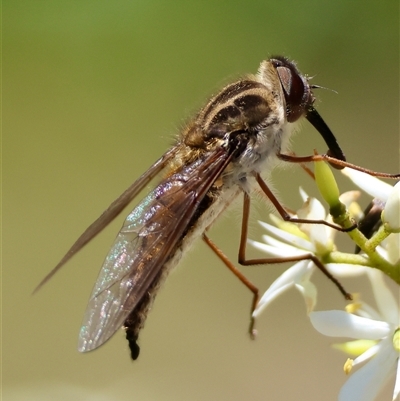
[376, 332]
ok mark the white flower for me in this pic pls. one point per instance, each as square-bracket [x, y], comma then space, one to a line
[296, 276]
[390, 195]
[287, 239]
[381, 190]
[371, 185]
[391, 248]
[391, 213]
[382, 326]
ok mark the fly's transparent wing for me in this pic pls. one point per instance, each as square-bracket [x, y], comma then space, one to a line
[111, 212]
[149, 235]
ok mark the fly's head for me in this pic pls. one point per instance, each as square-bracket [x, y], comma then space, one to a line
[298, 98]
[296, 89]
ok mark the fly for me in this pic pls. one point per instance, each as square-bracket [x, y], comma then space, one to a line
[240, 133]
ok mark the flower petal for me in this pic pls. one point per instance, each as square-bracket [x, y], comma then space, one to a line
[286, 280]
[370, 352]
[342, 324]
[303, 194]
[277, 251]
[349, 197]
[392, 246]
[346, 269]
[391, 213]
[366, 383]
[309, 292]
[396, 390]
[318, 234]
[312, 209]
[288, 237]
[387, 304]
[372, 185]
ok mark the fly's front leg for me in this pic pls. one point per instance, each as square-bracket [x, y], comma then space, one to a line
[285, 215]
[307, 256]
[335, 162]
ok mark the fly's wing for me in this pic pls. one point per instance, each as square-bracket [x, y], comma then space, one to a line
[144, 244]
[111, 212]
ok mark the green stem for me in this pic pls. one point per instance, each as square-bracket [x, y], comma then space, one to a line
[348, 258]
[368, 246]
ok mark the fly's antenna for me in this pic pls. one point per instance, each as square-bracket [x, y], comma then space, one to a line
[322, 87]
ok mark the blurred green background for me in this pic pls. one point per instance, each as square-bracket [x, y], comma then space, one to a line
[93, 93]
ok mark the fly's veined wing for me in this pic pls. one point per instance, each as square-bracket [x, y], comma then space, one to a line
[144, 244]
[111, 212]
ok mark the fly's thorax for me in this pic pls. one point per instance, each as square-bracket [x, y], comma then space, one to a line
[248, 114]
[243, 106]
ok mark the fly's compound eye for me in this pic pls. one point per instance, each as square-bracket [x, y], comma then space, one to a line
[296, 89]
